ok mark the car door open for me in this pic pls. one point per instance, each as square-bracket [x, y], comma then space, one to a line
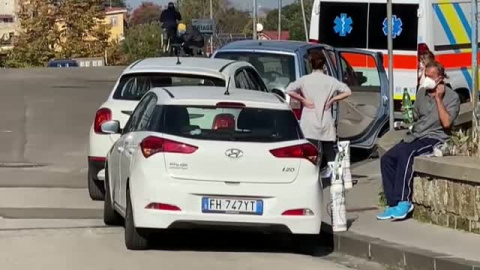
[361, 117]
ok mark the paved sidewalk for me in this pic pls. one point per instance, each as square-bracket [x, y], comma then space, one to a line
[429, 244]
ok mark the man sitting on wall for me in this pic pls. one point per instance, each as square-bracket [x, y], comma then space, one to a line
[436, 108]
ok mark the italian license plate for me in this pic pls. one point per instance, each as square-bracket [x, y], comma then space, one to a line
[232, 206]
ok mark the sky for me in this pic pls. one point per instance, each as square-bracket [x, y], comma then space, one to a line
[241, 4]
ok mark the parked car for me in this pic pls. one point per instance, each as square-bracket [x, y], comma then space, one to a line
[362, 118]
[62, 63]
[193, 156]
[139, 78]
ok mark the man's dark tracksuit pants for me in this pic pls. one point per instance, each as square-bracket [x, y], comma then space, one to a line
[397, 168]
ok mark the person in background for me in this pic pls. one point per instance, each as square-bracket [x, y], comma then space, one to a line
[424, 59]
[192, 38]
[436, 108]
[169, 19]
[318, 92]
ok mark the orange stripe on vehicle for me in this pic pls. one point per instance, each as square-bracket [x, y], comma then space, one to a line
[365, 61]
[455, 60]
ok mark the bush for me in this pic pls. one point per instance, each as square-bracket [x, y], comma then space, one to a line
[142, 41]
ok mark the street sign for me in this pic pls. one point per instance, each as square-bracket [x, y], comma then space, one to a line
[205, 26]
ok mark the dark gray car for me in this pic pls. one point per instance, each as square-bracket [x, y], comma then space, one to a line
[362, 118]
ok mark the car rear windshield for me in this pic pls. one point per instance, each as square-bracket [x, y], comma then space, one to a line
[134, 86]
[227, 124]
[276, 69]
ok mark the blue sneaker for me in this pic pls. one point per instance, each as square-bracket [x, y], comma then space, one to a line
[402, 210]
[387, 214]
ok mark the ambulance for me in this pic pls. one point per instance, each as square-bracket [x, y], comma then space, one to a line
[441, 26]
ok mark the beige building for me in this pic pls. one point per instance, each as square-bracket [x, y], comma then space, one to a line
[8, 23]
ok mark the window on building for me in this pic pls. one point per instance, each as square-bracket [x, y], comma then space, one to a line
[113, 21]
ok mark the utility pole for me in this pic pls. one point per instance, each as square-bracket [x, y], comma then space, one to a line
[211, 18]
[390, 64]
[255, 19]
[304, 20]
[280, 5]
[475, 110]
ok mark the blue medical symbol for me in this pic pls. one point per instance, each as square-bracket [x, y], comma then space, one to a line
[397, 26]
[343, 25]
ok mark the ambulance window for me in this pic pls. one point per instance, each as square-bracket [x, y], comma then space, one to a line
[343, 24]
[405, 28]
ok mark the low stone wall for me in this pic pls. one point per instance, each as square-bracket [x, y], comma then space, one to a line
[446, 192]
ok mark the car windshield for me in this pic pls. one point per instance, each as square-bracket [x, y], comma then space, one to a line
[227, 124]
[277, 70]
[134, 86]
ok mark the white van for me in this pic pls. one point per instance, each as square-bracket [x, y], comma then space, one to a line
[440, 26]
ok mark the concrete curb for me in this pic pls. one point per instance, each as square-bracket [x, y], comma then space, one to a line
[395, 255]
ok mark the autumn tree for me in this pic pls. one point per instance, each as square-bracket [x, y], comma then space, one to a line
[147, 12]
[35, 44]
[116, 3]
[83, 31]
[233, 21]
[228, 19]
[200, 9]
[292, 19]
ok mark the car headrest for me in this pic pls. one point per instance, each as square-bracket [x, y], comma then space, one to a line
[224, 121]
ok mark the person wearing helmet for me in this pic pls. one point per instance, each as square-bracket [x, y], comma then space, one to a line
[169, 19]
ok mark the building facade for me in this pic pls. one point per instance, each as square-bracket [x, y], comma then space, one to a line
[8, 23]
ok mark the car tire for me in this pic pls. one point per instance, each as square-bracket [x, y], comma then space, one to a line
[110, 216]
[95, 188]
[135, 239]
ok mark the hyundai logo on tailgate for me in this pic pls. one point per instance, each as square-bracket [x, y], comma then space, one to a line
[234, 153]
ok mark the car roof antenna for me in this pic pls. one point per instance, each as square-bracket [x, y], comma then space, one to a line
[227, 93]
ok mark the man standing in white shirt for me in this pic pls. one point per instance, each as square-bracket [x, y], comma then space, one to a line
[318, 92]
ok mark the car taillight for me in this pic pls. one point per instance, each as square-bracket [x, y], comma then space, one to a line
[163, 206]
[307, 151]
[298, 212]
[224, 121]
[152, 145]
[103, 115]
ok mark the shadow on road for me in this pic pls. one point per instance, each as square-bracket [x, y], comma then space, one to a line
[231, 241]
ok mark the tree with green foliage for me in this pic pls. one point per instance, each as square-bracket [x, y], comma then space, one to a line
[227, 18]
[37, 41]
[292, 19]
[147, 12]
[83, 31]
[142, 41]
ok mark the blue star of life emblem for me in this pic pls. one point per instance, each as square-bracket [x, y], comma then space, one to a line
[397, 26]
[343, 25]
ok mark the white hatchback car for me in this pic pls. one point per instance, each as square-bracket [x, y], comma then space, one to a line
[145, 74]
[192, 157]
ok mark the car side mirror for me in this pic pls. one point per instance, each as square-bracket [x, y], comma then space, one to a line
[111, 127]
[278, 92]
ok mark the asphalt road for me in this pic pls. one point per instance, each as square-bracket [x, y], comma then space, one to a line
[79, 249]
[45, 119]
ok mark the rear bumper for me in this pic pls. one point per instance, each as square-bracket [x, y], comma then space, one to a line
[187, 195]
